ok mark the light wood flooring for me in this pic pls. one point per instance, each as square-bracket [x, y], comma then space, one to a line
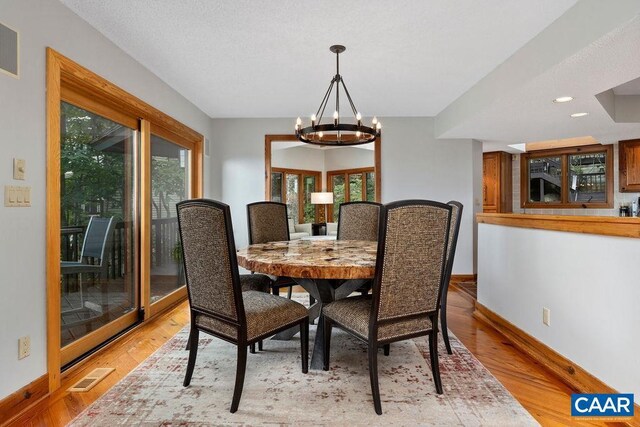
[544, 396]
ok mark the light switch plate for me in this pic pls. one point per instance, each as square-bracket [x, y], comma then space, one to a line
[17, 197]
[19, 166]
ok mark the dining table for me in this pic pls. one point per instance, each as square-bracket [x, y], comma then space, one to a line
[327, 269]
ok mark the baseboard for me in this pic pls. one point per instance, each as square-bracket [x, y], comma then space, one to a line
[22, 399]
[464, 278]
[567, 371]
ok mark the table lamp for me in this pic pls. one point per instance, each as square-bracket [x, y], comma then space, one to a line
[322, 198]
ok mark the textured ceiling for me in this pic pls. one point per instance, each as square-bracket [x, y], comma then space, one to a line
[271, 59]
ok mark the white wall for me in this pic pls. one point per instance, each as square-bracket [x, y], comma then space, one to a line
[590, 284]
[43, 23]
[348, 158]
[297, 158]
[414, 165]
[417, 165]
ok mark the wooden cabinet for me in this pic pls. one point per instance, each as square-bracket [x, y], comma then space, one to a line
[629, 156]
[496, 182]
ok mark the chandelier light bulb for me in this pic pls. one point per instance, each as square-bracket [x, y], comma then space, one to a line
[374, 122]
[313, 120]
[320, 134]
[358, 133]
[378, 126]
[298, 121]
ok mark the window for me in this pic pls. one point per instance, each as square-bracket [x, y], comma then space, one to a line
[294, 187]
[352, 185]
[571, 178]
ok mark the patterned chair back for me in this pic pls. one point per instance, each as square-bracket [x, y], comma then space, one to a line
[411, 259]
[267, 222]
[209, 256]
[359, 221]
[454, 229]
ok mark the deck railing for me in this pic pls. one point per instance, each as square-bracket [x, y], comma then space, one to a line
[164, 239]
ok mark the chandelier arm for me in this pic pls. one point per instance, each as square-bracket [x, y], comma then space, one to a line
[346, 91]
[323, 104]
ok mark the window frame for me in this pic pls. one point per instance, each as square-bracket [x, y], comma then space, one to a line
[564, 154]
[347, 193]
[301, 174]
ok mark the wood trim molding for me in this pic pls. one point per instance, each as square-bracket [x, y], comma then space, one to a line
[567, 371]
[601, 225]
[90, 84]
[21, 400]
[464, 278]
[53, 219]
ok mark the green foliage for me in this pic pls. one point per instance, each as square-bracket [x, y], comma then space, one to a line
[92, 180]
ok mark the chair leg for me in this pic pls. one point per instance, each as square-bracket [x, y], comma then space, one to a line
[275, 291]
[443, 320]
[326, 351]
[240, 370]
[260, 345]
[252, 348]
[445, 331]
[435, 366]
[193, 351]
[304, 344]
[373, 374]
[188, 347]
[289, 292]
[387, 349]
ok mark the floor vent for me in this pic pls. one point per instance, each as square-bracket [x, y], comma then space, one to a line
[88, 382]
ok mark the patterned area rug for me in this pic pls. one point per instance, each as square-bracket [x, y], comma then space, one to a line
[277, 393]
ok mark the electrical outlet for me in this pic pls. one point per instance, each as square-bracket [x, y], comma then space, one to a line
[546, 316]
[24, 347]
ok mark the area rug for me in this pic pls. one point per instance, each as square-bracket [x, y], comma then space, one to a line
[277, 393]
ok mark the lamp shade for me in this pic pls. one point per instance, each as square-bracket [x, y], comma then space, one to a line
[324, 198]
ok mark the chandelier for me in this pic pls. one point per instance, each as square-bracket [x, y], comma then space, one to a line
[336, 132]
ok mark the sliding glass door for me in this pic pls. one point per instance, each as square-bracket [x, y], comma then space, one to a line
[99, 286]
[170, 184]
[113, 274]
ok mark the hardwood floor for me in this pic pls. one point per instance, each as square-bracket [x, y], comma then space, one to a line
[544, 396]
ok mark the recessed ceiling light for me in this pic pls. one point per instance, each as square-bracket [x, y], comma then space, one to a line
[575, 115]
[562, 99]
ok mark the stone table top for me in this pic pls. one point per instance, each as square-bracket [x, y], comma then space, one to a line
[312, 259]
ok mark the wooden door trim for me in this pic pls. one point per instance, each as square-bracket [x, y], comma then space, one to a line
[75, 79]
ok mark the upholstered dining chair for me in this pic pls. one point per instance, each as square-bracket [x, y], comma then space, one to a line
[410, 269]
[267, 222]
[216, 301]
[359, 221]
[452, 243]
